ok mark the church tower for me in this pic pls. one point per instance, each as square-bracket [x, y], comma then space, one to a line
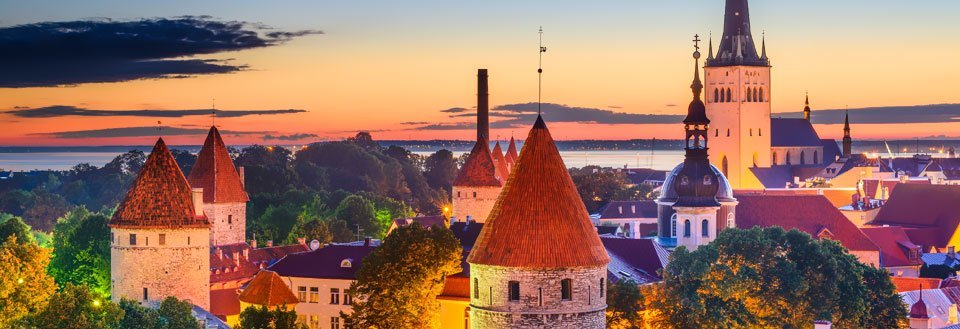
[159, 237]
[538, 261]
[224, 197]
[847, 141]
[477, 186]
[806, 108]
[738, 100]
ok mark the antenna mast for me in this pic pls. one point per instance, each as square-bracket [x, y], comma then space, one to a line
[540, 73]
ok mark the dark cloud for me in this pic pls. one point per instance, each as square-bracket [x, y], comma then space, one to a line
[520, 115]
[68, 53]
[141, 132]
[456, 110]
[66, 110]
[291, 137]
[935, 113]
[414, 123]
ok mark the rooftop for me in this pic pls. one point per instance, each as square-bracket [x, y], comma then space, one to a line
[215, 173]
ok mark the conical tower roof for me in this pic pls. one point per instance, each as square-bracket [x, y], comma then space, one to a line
[501, 163]
[512, 152]
[160, 197]
[268, 289]
[539, 220]
[479, 170]
[215, 173]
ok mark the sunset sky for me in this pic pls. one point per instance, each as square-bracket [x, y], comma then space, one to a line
[319, 70]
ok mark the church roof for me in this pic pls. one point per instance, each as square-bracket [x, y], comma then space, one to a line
[215, 173]
[790, 132]
[160, 197]
[268, 289]
[479, 170]
[737, 46]
[500, 163]
[539, 220]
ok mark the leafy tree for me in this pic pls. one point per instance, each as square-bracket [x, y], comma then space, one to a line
[16, 202]
[772, 278]
[276, 223]
[440, 170]
[357, 210]
[138, 317]
[598, 186]
[45, 210]
[624, 303]
[260, 317]
[82, 251]
[938, 271]
[172, 314]
[128, 163]
[175, 313]
[317, 229]
[25, 287]
[184, 159]
[16, 227]
[423, 257]
[78, 307]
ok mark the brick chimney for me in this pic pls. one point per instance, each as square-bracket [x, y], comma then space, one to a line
[483, 106]
[236, 258]
[269, 243]
[198, 201]
[253, 243]
[242, 176]
[218, 252]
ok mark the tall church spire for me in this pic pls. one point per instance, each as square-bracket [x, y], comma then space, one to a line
[737, 46]
[806, 108]
[847, 140]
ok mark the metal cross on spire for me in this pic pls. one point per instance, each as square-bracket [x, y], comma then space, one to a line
[696, 42]
[540, 73]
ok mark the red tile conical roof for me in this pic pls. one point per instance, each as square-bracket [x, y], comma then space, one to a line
[501, 163]
[268, 289]
[215, 173]
[539, 220]
[512, 152]
[479, 170]
[160, 197]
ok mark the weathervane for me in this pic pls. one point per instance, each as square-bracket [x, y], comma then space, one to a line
[540, 73]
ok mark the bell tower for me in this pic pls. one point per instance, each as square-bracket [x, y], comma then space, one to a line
[738, 100]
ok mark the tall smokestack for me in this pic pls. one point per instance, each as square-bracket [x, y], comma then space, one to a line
[483, 106]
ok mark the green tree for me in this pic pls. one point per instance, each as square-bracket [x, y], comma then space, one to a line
[15, 226]
[25, 287]
[423, 257]
[172, 314]
[78, 307]
[260, 317]
[276, 223]
[773, 278]
[316, 229]
[184, 159]
[624, 303]
[938, 271]
[138, 317]
[357, 210]
[175, 314]
[440, 170]
[81, 253]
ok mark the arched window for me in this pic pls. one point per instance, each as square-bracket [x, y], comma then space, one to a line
[761, 94]
[774, 158]
[346, 263]
[788, 160]
[751, 132]
[686, 228]
[724, 166]
[730, 222]
[815, 154]
[723, 96]
[759, 131]
[717, 133]
[729, 95]
[716, 95]
[728, 132]
[566, 289]
[803, 158]
[756, 95]
[705, 228]
[673, 225]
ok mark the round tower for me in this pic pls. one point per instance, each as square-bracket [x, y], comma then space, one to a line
[479, 182]
[159, 237]
[224, 197]
[538, 262]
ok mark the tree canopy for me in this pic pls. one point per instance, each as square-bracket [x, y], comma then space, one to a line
[261, 317]
[78, 307]
[81, 251]
[25, 287]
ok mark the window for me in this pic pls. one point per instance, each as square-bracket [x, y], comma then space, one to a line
[347, 300]
[145, 294]
[787, 160]
[334, 296]
[302, 294]
[335, 322]
[751, 132]
[566, 289]
[803, 158]
[774, 158]
[761, 94]
[540, 296]
[314, 322]
[458, 194]
[301, 319]
[815, 157]
[163, 239]
[686, 228]
[476, 288]
[705, 228]
[725, 165]
[601, 287]
[716, 133]
[728, 132]
[749, 99]
[147, 241]
[756, 95]
[723, 97]
[314, 294]
[474, 194]
[716, 95]
[112, 239]
[729, 95]
[730, 221]
[673, 226]
[229, 219]
[188, 240]
[133, 239]
[514, 287]
[346, 263]
[759, 131]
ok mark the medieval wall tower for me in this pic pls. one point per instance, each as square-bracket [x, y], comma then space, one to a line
[224, 197]
[738, 100]
[477, 185]
[159, 237]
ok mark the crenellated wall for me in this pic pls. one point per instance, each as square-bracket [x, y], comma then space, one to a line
[179, 266]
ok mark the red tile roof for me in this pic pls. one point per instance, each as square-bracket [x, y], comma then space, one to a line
[894, 246]
[930, 214]
[539, 220]
[160, 197]
[456, 286]
[224, 267]
[479, 170]
[425, 221]
[268, 289]
[813, 214]
[215, 173]
[512, 152]
[873, 187]
[500, 163]
[913, 284]
[224, 302]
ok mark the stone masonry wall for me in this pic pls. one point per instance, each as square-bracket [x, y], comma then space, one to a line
[228, 222]
[540, 304]
[478, 208]
[180, 267]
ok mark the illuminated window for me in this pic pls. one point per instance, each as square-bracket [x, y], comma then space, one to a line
[163, 239]
[730, 222]
[347, 300]
[346, 263]
[566, 289]
[335, 322]
[302, 294]
[314, 294]
[335, 296]
[314, 322]
[514, 287]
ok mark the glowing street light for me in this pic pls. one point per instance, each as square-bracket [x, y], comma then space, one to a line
[96, 303]
[20, 281]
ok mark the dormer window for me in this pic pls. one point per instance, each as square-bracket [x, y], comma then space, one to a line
[707, 180]
[346, 263]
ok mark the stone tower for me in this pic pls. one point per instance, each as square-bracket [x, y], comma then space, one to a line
[159, 237]
[847, 140]
[477, 185]
[538, 262]
[738, 100]
[224, 197]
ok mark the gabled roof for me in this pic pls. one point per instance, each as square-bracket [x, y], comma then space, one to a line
[629, 209]
[790, 132]
[806, 213]
[637, 259]
[160, 197]
[929, 213]
[215, 173]
[904, 284]
[894, 246]
[268, 289]
[224, 302]
[324, 263]
[224, 267]
[500, 163]
[539, 220]
[479, 170]
[830, 150]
